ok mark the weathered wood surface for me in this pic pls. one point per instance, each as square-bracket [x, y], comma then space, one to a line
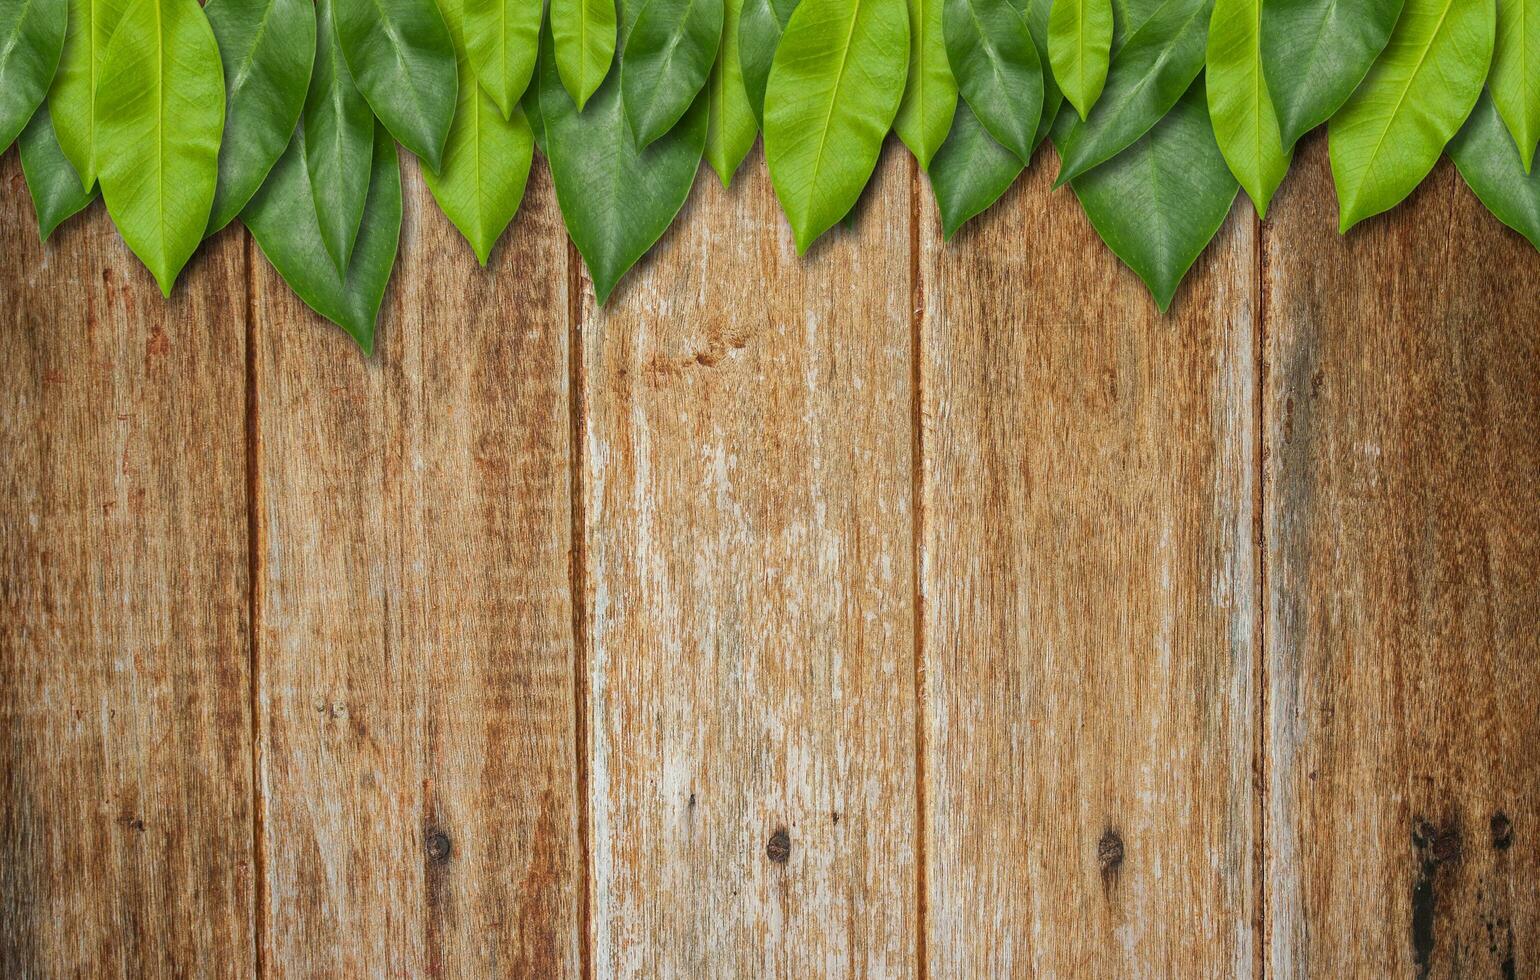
[1402, 434]
[897, 611]
[1088, 600]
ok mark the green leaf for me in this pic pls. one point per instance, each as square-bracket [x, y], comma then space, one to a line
[72, 99]
[268, 49]
[998, 69]
[730, 126]
[160, 113]
[617, 200]
[971, 171]
[338, 144]
[486, 162]
[55, 187]
[759, 34]
[1423, 87]
[1150, 72]
[834, 89]
[668, 55]
[584, 32]
[283, 219]
[1238, 101]
[1315, 52]
[31, 43]
[1159, 203]
[930, 97]
[504, 38]
[1488, 160]
[1079, 49]
[403, 60]
[1515, 79]
[1037, 14]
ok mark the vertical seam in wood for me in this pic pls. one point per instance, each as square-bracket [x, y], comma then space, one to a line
[917, 529]
[1261, 925]
[254, 538]
[578, 589]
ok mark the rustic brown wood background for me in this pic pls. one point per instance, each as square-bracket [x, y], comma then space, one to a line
[903, 611]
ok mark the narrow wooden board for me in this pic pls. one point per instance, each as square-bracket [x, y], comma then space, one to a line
[125, 732]
[1089, 597]
[1403, 578]
[417, 672]
[746, 483]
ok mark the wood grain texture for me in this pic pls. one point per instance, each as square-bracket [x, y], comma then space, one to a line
[1089, 600]
[418, 762]
[1403, 577]
[746, 478]
[125, 766]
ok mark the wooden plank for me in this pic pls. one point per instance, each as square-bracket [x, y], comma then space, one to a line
[125, 732]
[415, 616]
[746, 473]
[1403, 578]
[1089, 595]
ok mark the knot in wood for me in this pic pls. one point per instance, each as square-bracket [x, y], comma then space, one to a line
[779, 847]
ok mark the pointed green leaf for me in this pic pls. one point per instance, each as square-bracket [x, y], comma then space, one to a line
[72, 99]
[1238, 101]
[55, 187]
[1488, 160]
[930, 97]
[1315, 52]
[834, 90]
[759, 34]
[338, 144]
[1150, 72]
[402, 59]
[1515, 80]
[730, 127]
[1037, 13]
[487, 158]
[584, 33]
[31, 43]
[160, 113]
[617, 200]
[504, 38]
[268, 49]
[282, 218]
[971, 171]
[998, 69]
[1159, 203]
[1423, 87]
[669, 54]
[1079, 48]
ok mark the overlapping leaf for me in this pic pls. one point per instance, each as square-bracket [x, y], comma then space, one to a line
[160, 113]
[53, 183]
[487, 158]
[1490, 163]
[284, 221]
[1150, 72]
[339, 143]
[971, 171]
[759, 33]
[731, 126]
[31, 44]
[1239, 104]
[403, 61]
[617, 199]
[267, 48]
[834, 90]
[1515, 81]
[72, 98]
[930, 94]
[1080, 48]
[584, 32]
[998, 70]
[1158, 203]
[1315, 52]
[1415, 98]
[668, 56]
[504, 38]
